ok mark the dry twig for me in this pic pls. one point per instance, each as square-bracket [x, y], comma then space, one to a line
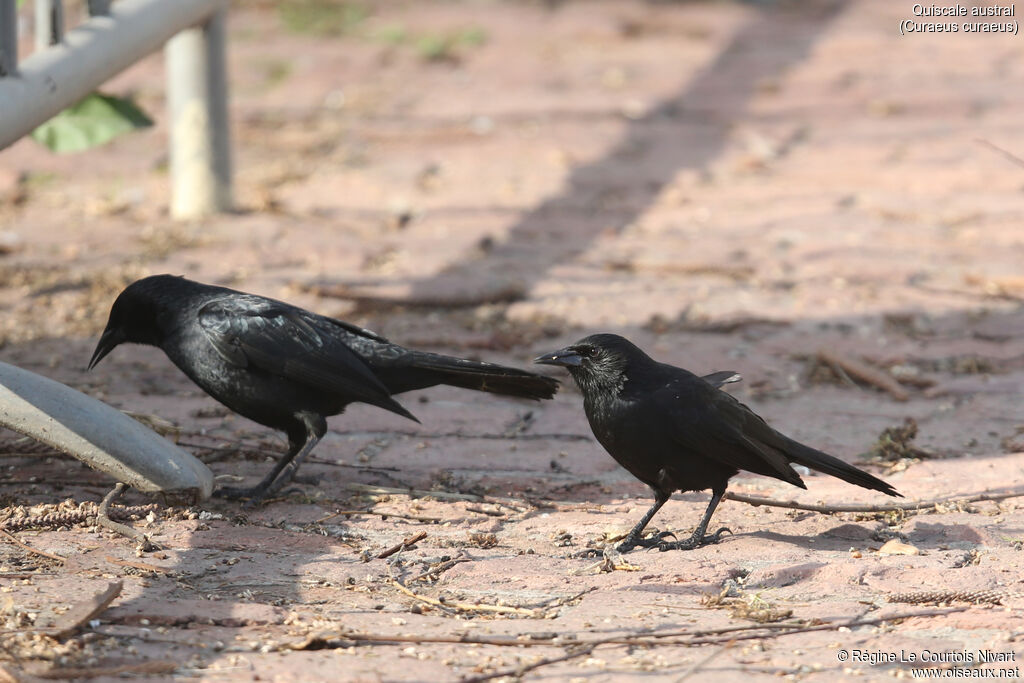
[82, 612]
[464, 606]
[889, 507]
[520, 670]
[375, 513]
[161, 666]
[407, 543]
[144, 566]
[697, 666]
[34, 551]
[435, 572]
[717, 636]
[864, 372]
[1005, 153]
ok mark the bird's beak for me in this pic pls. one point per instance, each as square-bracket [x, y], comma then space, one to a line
[108, 342]
[566, 357]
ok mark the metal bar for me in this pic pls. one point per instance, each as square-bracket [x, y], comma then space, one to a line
[49, 23]
[92, 53]
[99, 8]
[217, 69]
[8, 38]
[197, 103]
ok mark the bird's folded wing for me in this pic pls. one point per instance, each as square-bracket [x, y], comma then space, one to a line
[718, 425]
[279, 339]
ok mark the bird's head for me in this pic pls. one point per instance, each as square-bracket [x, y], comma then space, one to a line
[600, 359]
[135, 315]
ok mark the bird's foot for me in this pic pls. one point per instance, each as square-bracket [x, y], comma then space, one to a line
[262, 491]
[253, 496]
[694, 541]
[649, 542]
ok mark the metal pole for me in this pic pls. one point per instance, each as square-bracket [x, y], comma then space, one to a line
[8, 38]
[49, 23]
[99, 8]
[197, 103]
[91, 53]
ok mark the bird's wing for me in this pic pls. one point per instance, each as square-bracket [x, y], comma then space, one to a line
[250, 331]
[711, 422]
[717, 379]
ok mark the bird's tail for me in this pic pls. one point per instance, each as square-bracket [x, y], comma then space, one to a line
[823, 462]
[428, 369]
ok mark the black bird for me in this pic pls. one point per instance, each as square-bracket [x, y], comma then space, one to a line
[676, 431]
[286, 367]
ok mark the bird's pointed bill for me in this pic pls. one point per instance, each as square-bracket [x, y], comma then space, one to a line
[108, 342]
[566, 357]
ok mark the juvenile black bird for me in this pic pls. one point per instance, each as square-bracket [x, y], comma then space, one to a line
[286, 367]
[676, 431]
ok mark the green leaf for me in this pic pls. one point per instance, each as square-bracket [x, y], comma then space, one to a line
[95, 120]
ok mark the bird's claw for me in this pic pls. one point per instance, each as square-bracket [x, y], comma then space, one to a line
[693, 542]
[232, 492]
[648, 543]
[254, 496]
[656, 541]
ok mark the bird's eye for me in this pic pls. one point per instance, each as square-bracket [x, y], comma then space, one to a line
[587, 351]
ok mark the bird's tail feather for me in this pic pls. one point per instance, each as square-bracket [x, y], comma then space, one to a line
[470, 374]
[823, 462]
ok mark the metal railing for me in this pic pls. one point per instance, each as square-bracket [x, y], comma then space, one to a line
[68, 66]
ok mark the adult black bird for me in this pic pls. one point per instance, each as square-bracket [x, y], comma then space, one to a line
[286, 367]
[676, 431]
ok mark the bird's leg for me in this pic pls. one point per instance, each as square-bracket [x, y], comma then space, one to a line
[284, 470]
[698, 538]
[235, 492]
[287, 474]
[634, 537]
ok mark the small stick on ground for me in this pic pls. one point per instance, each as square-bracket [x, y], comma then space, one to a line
[407, 543]
[996, 148]
[34, 551]
[136, 565]
[481, 511]
[864, 372]
[103, 519]
[82, 612]
[435, 572]
[465, 606]
[891, 507]
[518, 672]
[413, 493]
[697, 666]
[162, 666]
[375, 513]
[696, 637]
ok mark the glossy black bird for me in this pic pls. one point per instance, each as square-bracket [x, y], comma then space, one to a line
[676, 431]
[286, 367]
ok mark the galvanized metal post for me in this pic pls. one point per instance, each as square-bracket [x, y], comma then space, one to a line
[91, 53]
[197, 102]
[99, 8]
[49, 23]
[8, 37]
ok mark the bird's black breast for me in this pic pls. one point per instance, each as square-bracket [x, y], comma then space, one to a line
[639, 428]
